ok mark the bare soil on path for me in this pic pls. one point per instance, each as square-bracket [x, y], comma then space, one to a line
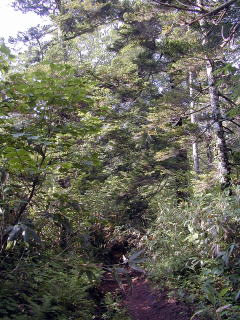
[145, 303]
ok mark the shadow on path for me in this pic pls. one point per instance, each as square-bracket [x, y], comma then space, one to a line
[143, 303]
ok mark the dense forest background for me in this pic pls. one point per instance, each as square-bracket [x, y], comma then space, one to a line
[120, 136]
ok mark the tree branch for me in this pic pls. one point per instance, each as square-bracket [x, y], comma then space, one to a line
[227, 99]
[196, 111]
[227, 129]
[233, 30]
[214, 11]
[205, 130]
[176, 7]
[233, 122]
[27, 201]
[32, 192]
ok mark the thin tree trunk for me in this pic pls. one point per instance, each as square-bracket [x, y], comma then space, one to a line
[63, 44]
[209, 153]
[195, 152]
[181, 179]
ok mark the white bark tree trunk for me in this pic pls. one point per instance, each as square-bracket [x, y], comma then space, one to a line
[224, 168]
[195, 151]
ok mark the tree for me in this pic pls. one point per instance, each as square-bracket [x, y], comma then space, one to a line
[97, 141]
[36, 128]
[35, 39]
[195, 147]
[211, 39]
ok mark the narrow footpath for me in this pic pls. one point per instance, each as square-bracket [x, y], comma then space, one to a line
[145, 303]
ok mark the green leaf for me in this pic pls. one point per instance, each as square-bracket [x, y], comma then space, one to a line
[30, 235]
[19, 134]
[220, 309]
[4, 49]
[10, 245]
[223, 292]
[90, 274]
[139, 260]
[197, 313]
[15, 233]
[135, 255]
[237, 296]
[117, 277]
[134, 267]
[34, 137]
[66, 165]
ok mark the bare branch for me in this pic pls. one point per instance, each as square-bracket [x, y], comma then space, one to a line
[234, 122]
[177, 7]
[227, 99]
[196, 111]
[233, 30]
[227, 129]
[214, 11]
[205, 130]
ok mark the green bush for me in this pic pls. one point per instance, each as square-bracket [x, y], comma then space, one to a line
[39, 288]
[196, 247]
[115, 310]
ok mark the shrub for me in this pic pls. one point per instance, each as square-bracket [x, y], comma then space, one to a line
[196, 246]
[39, 288]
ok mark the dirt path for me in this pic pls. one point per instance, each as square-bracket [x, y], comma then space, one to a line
[145, 304]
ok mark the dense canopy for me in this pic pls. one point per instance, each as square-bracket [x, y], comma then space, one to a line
[120, 139]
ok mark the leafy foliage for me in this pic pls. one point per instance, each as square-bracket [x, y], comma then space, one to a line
[41, 288]
[200, 252]
[97, 139]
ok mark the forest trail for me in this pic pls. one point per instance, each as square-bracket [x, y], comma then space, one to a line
[145, 303]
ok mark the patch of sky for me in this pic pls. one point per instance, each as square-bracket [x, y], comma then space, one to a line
[12, 21]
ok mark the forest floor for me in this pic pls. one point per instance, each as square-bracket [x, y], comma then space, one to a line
[145, 303]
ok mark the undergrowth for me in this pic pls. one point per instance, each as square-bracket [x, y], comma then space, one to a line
[36, 287]
[195, 247]
[114, 308]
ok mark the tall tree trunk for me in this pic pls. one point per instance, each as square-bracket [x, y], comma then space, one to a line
[195, 151]
[181, 178]
[62, 10]
[63, 45]
[224, 168]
